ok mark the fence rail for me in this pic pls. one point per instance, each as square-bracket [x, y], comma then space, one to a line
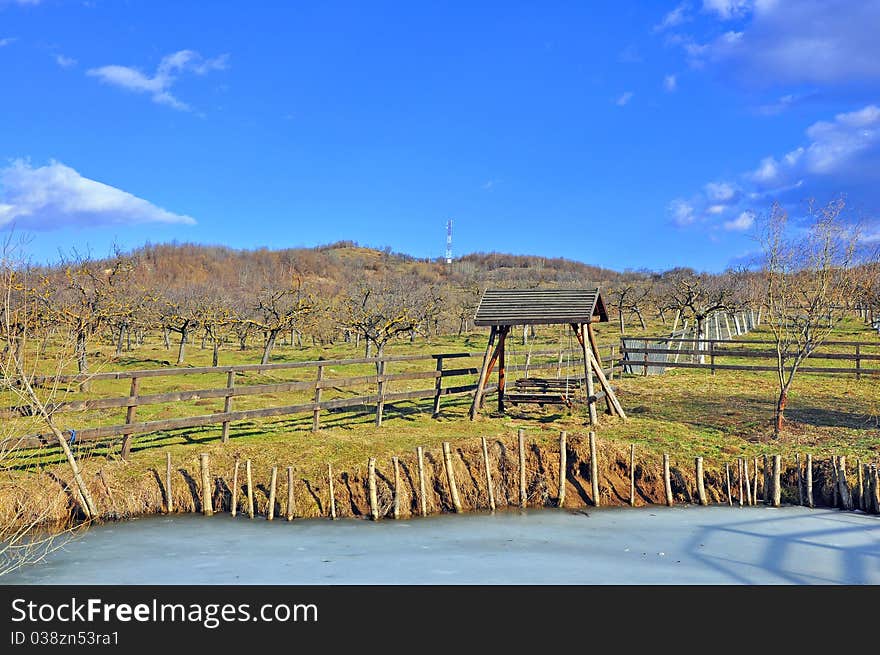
[705, 353]
[317, 385]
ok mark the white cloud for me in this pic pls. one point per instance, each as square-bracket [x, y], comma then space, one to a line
[674, 18]
[9, 40]
[159, 85]
[65, 62]
[55, 196]
[742, 222]
[670, 83]
[721, 192]
[681, 212]
[727, 9]
[624, 99]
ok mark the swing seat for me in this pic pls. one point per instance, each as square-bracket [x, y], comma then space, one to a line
[540, 391]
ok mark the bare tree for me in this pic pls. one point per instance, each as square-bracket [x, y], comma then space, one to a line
[280, 307]
[807, 277]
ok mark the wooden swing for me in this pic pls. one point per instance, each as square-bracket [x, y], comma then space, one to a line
[546, 391]
[500, 309]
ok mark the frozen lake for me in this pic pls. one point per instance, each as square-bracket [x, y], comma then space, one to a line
[648, 545]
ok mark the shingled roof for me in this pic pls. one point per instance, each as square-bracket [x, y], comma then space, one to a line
[540, 307]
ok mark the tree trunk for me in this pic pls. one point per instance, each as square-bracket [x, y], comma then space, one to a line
[181, 349]
[82, 363]
[367, 348]
[620, 319]
[120, 339]
[270, 343]
[780, 412]
[242, 342]
[166, 338]
[641, 319]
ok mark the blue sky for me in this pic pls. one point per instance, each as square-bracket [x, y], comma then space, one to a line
[627, 135]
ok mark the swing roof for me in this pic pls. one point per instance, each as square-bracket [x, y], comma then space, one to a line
[540, 307]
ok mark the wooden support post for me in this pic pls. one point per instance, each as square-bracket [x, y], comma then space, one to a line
[858, 362]
[521, 447]
[371, 480]
[316, 413]
[594, 470]
[250, 488]
[701, 486]
[227, 405]
[233, 508]
[562, 468]
[484, 373]
[438, 388]
[273, 482]
[450, 477]
[846, 500]
[727, 474]
[129, 417]
[588, 371]
[331, 491]
[380, 387]
[667, 483]
[747, 481]
[423, 501]
[809, 485]
[291, 502]
[777, 480]
[207, 503]
[489, 487]
[712, 356]
[606, 387]
[502, 369]
[559, 366]
[169, 494]
[395, 506]
[594, 346]
[800, 479]
[632, 475]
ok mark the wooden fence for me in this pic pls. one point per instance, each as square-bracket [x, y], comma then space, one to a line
[371, 391]
[712, 353]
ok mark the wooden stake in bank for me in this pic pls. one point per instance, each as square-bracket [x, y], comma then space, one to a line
[371, 481]
[395, 508]
[667, 484]
[594, 470]
[701, 486]
[777, 480]
[739, 478]
[727, 474]
[860, 496]
[450, 477]
[273, 481]
[423, 501]
[207, 505]
[755, 485]
[489, 486]
[800, 480]
[291, 503]
[748, 482]
[250, 487]
[169, 496]
[846, 500]
[809, 481]
[765, 491]
[562, 468]
[632, 475]
[522, 466]
[331, 492]
[234, 503]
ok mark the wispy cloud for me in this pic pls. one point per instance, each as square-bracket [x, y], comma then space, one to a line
[65, 62]
[56, 196]
[9, 40]
[840, 155]
[670, 83]
[624, 99]
[729, 9]
[159, 85]
[674, 18]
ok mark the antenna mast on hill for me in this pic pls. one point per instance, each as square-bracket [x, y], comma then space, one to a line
[449, 241]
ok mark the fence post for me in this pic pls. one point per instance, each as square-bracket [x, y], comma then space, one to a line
[316, 415]
[489, 487]
[129, 417]
[701, 487]
[712, 356]
[423, 501]
[169, 497]
[522, 466]
[666, 481]
[645, 358]
[227, 404]
[380, 386]
[207, 504]
[611, 359]
[594, 470]
[438, 386]
[273, 482]
[450, 478]
[858, 362]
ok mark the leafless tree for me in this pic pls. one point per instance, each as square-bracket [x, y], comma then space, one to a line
[807, 275]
